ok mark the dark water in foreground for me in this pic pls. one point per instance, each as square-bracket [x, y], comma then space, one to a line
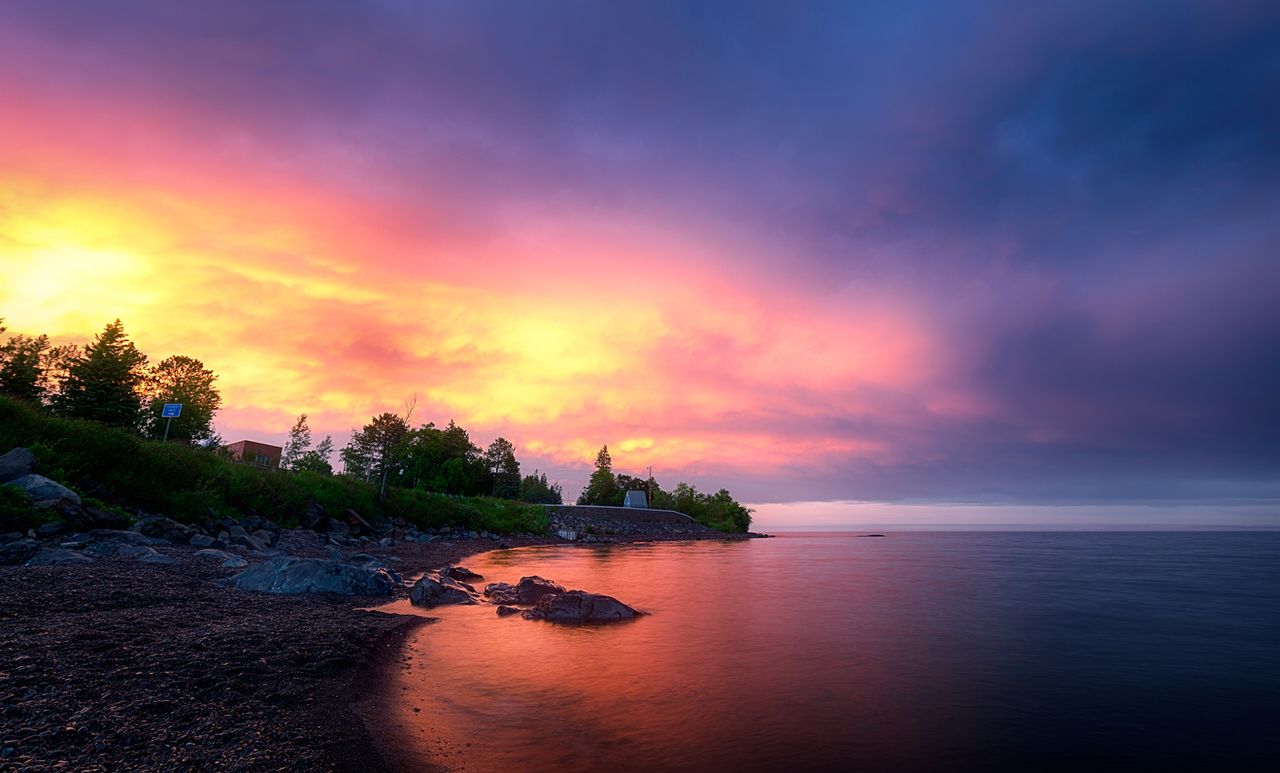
[917, 651]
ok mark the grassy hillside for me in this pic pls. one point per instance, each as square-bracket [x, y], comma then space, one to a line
[118, 467]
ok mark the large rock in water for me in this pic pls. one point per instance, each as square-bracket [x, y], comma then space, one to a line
[578, 606]
[16, 463]
[433, 592]
[290, 575]
[45, 492]
[526, 592]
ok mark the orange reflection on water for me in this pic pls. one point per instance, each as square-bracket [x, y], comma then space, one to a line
[743, 663]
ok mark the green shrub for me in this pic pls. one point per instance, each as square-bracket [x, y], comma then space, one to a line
[190, 484]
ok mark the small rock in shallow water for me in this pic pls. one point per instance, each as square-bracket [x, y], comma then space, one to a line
[504, 610]
[432, 592]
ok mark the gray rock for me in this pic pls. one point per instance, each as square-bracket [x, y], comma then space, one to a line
[159, 527]
[45, 492]
[224, 559]
[288, 575]
[16, 463]
[433, 592]
[17, 551]
[266, 536]
[57, 557]
[334, 552]
[249, 541]
[202, 541]
[528, 591]
[96, 518]
[101, 549]
[77, 541]
[157, 558]
[504, 610]
[577, 606]
[126, 537]
[51, 529]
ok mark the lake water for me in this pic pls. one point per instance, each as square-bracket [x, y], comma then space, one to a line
[915, 651]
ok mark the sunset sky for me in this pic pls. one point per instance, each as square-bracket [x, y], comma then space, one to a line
[1015, 254]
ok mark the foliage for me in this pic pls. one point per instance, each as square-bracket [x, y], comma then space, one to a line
[534, 488]
[317, 459]
[503, 467]
[602, 488]
[102, 382]
[185, 380]
[373, 451]
[443, 461]
[298, 444]
[16, 511]
[20, 366]
[191, 483]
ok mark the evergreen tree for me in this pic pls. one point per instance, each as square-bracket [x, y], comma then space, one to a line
[501, 459]
[535, 489]
[20, 366]
[102, 381]
[298, 444]
[602, 488]
[180, 379]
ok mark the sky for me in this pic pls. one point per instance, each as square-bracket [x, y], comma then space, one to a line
[1011, 255]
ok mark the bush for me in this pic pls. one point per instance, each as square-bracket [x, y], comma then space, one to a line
[191, 484]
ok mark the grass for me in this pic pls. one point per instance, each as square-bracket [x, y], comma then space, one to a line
[189, 484]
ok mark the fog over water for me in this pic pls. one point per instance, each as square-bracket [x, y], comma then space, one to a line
[915, 651]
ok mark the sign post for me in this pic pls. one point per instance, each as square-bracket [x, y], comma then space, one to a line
[170, 412]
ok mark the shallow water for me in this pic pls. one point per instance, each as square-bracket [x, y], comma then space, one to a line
[916, 651]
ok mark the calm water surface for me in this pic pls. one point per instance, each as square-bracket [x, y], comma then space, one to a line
[916, 651]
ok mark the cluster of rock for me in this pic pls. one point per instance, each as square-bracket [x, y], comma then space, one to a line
[533, 598]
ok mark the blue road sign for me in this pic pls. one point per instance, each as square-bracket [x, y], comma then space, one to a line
[171, 411]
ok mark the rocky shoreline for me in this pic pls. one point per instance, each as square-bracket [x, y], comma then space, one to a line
[125, 662]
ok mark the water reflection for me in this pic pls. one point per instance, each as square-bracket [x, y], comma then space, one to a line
[914, 652]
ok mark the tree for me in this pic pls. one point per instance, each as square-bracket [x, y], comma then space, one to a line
[535, 490]
[180, 379]
[602, 488]
[317, 459]
[501, 460]
[372, 452]
[20, 366]
[55, 367]
[103, 380]
[298, 444]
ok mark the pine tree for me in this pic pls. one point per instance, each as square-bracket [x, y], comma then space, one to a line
[102, 382]
[602, 488]
[501, 459]
[21, 371]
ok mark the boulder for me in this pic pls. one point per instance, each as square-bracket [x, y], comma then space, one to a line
[16, 463]
[126, 537]
[50, 529]
[289, 575]
[249, 541]
[17, 551]
[204, 541]
[159, 527]
[578, 606]
[462, 573]
[224, 559]
[57, 557]
[96, 518]
[504, 610]
[433, 592]
[45, 492]
[526, 592]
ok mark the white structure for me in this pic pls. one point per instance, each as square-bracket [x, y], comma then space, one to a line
[636, 499]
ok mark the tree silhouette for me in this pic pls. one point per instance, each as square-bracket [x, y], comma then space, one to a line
[102, 381]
